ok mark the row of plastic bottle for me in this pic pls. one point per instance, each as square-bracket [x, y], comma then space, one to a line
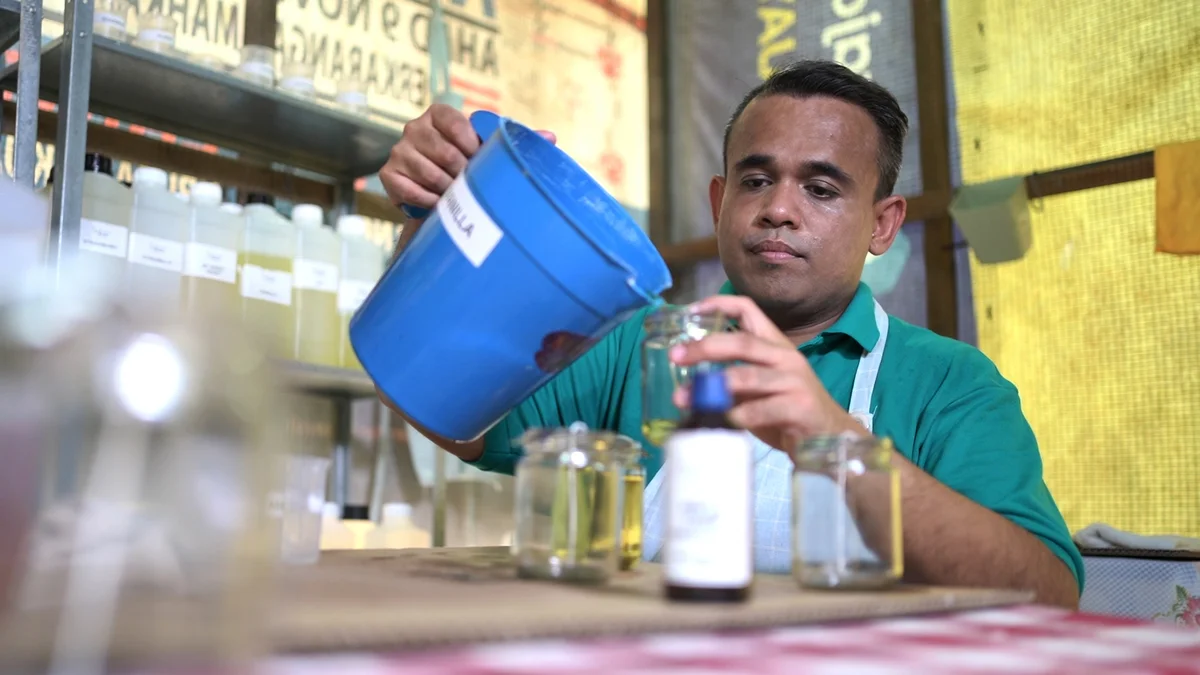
[294, 282]
[397, 530]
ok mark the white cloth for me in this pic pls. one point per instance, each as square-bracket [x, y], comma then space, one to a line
[1099, 535]
[773, 486]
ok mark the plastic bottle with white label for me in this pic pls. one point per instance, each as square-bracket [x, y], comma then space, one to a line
[210, 255]
[157, 229]
[265, 265]
[708, 553]
[362, 265]
[104, 228]
[397, 530]
[315, 279]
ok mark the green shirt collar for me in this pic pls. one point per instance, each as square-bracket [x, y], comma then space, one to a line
[857, 322]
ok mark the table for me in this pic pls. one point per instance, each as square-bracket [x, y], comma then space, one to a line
[1014, 640]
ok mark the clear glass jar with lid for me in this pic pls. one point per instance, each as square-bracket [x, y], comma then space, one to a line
[664, 328]
[570, 495]
[846, 525]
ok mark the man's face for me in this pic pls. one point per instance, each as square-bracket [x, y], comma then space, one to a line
[796, 213]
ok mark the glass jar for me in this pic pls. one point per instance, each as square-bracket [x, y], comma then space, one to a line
[257, 65]
[156, 32]
[111, 19]
[570, 494]
[846, 529]
[352, 95]
[665, 328]
[298, 79]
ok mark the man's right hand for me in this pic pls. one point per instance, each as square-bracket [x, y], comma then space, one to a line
[433, 151]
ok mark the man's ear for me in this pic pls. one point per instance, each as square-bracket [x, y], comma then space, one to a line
[889, 216]
[716, 192]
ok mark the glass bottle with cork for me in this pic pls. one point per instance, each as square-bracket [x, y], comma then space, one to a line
[708, 550]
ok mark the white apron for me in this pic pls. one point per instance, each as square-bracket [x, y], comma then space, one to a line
[773, 483]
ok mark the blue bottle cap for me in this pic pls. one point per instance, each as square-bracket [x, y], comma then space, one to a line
[485, 124]
[710, 392]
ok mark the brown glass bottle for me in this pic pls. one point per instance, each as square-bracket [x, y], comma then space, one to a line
[709, 505]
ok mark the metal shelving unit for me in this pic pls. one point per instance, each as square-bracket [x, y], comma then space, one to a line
[85, 73]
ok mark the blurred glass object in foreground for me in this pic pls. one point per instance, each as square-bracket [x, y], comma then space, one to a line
[142, 444]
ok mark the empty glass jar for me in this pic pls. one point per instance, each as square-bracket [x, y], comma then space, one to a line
[664, 329]
[571, 491]
[846, 529]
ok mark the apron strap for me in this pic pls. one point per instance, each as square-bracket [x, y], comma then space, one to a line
[868, 371]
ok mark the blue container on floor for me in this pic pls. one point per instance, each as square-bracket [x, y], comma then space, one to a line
[524, 264]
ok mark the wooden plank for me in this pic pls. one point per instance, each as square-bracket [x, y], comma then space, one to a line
[659, 226]
[941, 282]
[261, 25]
[1089, 176]
[181, 159]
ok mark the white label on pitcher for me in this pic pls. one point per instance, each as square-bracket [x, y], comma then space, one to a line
[101, 237]
[163, 254]
[351, 295]
[473, 231]
[268, 285]
[210, 262]
[314, 275]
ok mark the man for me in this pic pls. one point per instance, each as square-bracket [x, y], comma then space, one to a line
[811, 159]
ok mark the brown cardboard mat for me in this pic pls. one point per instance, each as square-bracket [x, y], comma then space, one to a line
[394, 599]
[379, 600]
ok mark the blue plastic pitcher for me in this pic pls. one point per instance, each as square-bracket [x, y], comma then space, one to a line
[522, 266]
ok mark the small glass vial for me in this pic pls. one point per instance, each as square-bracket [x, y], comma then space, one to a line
[298, 79]
[156, 32]
[631, 511]
[257, 65]
[569, 503]
[846, 529]
[111, 19]
[664, 329]
[352, 96]
[708, 552]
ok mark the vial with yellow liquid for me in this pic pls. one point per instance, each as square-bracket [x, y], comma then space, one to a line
[315, 279]
[265, 264]
[665, 328]
[210, 254]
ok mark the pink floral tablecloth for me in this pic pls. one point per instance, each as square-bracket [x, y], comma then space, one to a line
[1012, 641]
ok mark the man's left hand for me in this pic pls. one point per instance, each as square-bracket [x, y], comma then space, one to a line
[777, 396]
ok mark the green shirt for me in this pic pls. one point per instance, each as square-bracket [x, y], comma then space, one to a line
[943, 403]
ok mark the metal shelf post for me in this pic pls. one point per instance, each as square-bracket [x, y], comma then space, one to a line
[28, 82]
[75, 82]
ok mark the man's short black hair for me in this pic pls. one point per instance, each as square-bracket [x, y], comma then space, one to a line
[804, 79]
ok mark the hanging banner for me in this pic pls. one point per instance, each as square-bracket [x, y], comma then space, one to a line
[721, 49]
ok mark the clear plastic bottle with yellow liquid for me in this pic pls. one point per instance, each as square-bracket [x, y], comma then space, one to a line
[362, 265]
[265, 265]
[157, 227]
[210, 254]
[315, 279]
[104, 228]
